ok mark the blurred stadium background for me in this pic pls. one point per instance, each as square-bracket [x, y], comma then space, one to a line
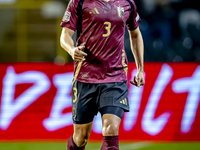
[30, 30]
[29, 40]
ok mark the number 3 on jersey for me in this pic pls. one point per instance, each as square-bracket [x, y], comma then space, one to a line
[108, 26]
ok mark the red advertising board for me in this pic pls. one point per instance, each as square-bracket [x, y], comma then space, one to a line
[35, 103]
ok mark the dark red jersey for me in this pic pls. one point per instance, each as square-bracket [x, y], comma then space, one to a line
[101, 25]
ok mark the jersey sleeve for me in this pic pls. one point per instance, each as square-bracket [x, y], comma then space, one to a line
[134, 19]
[70, 18]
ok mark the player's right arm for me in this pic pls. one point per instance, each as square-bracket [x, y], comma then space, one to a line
[69, 24]
[67, 44]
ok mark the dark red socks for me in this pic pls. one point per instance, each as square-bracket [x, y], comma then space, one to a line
[110, 143]
[72, 146]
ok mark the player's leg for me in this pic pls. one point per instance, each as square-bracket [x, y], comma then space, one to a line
[82, 133]
[84, 109]
[111, 118]
[113, 103]
[80, 136]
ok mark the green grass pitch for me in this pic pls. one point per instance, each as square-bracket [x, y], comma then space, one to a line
[96, 146]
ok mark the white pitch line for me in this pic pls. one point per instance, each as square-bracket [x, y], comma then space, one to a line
[133, 146]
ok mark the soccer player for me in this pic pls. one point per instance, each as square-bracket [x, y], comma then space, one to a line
[100, 63]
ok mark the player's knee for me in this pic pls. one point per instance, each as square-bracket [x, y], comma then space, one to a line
[110, 125]
[110, 129]
[81, 139]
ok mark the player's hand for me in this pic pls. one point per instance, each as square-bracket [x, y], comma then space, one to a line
[138, 80]
[78, 54]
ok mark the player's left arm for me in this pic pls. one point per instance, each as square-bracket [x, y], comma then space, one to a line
[137, 48]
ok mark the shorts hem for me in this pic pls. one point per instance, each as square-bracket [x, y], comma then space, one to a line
[81, 122]
[125, 109]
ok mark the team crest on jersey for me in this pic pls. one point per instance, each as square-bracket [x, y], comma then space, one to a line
[120, 11]
[67, 16]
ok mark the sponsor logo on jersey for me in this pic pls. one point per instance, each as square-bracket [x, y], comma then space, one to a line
[94, 11]
[120, 11]
[67, 16]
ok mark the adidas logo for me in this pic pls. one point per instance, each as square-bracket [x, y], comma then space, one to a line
[124, 101]
[94, 11]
